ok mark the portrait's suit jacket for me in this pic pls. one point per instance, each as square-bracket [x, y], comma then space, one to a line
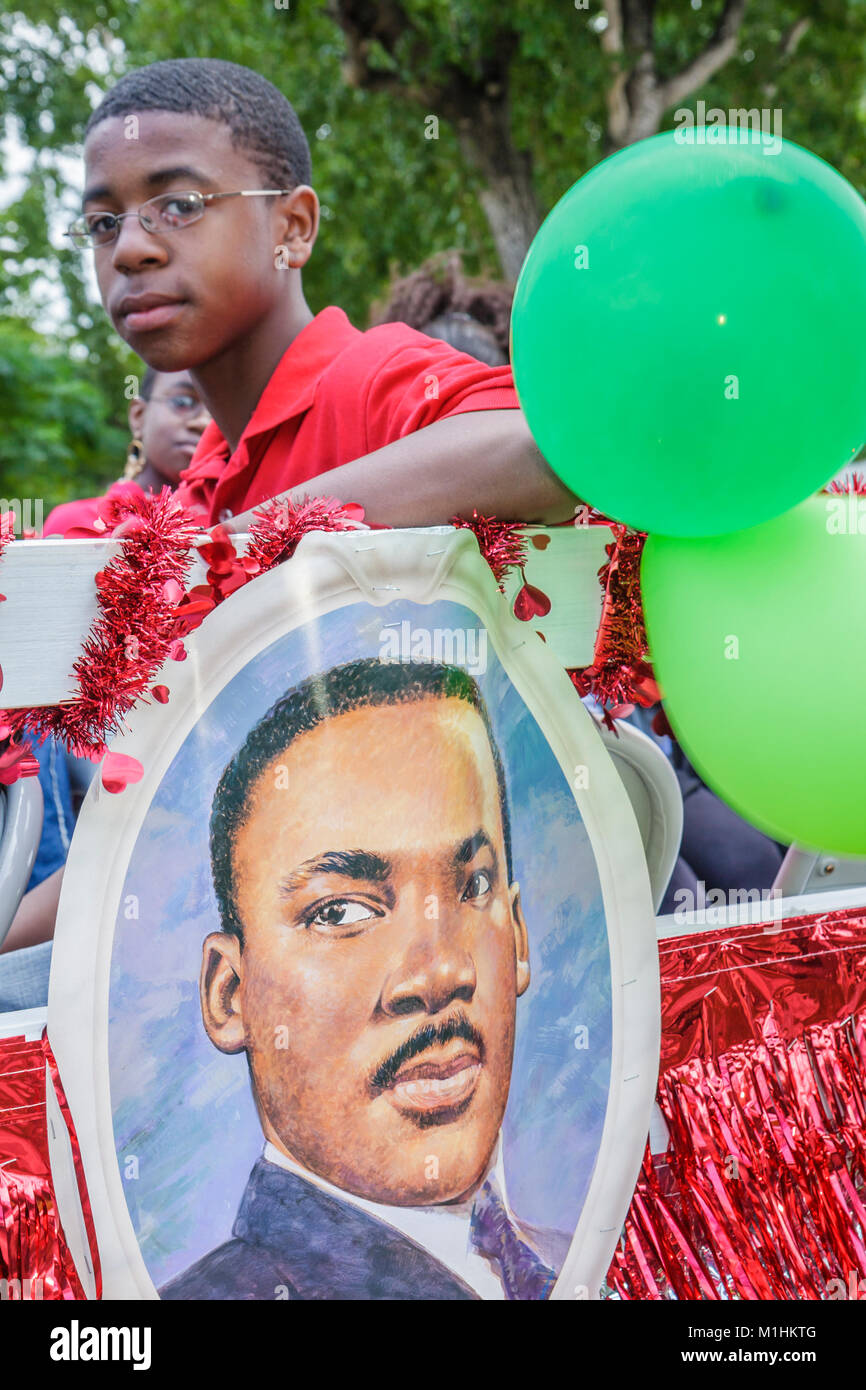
[292, 1240]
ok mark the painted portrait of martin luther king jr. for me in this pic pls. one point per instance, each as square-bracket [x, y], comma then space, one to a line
[370, 958]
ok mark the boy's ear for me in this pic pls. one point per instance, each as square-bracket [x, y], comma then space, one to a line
[298, 224]
[219, 988]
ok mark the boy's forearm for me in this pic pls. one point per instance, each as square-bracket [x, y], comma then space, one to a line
[482, 460]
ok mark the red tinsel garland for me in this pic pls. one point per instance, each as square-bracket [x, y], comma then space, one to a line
[144, 612]
[620, 673]
[855, 482]
[502, 543]
[279, 527]
[274, 537]
[134, 633]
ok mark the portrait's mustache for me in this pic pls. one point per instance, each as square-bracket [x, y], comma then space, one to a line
[432, 1035]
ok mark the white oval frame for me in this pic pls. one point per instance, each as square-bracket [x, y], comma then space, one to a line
[329, 571]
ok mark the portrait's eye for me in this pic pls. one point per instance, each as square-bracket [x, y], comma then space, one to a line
[341, 917]
[184, 401]
[480, 883]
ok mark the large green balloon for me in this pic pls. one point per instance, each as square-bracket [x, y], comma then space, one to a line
[688, 331]
[758, 641]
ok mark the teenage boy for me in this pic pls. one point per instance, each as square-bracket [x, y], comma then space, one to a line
[199, 208]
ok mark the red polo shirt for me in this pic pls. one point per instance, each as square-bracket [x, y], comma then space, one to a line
[337, 394]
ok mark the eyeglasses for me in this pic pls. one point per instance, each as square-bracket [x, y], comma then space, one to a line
[164, 213]
[183, 403]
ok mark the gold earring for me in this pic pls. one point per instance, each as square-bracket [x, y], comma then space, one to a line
[135, 459]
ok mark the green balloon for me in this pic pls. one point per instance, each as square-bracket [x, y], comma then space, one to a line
[688, 329]
[758, 642]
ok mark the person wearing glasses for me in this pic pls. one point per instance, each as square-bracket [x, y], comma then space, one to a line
[200, 216]
[166, 422]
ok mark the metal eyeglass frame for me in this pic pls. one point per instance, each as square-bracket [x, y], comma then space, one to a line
[80, 228]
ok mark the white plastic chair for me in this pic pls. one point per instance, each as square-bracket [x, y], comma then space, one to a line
[809, 871]
[654, 792]
[20, 829]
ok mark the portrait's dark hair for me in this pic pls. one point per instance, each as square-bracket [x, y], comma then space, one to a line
[364, 684]
[263, 124]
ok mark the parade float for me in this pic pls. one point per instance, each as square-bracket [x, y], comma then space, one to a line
[671, 1107]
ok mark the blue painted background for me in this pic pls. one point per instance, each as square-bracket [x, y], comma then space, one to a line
[184, 1112]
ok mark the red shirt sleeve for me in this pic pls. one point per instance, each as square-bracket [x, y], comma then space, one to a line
[72, 516]
[75, 520]
[421, 380]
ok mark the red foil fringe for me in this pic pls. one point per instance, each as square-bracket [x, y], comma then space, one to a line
[35, 1262]
[762, 1191]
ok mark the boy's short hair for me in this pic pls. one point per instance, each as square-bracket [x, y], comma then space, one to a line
[263, 123]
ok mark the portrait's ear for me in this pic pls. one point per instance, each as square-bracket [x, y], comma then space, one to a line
[220, 991]
[521, 940]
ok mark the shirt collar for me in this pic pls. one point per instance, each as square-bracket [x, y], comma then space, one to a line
[289, 391]
[293, 383]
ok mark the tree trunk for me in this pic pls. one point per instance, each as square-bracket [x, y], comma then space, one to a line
[477, 106]
[637, 96]
[507, 194]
